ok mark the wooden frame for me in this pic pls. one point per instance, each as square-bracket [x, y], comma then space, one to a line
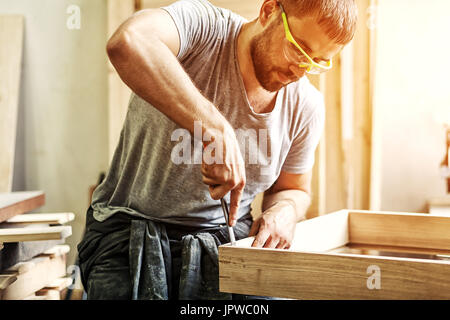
[348, 254]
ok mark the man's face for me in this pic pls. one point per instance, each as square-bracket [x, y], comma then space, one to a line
[273, 69]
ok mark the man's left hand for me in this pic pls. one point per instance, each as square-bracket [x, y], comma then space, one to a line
[275, 228]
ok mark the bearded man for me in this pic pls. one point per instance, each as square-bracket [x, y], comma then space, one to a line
[200, 71]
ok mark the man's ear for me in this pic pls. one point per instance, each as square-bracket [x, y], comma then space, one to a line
[268, 9]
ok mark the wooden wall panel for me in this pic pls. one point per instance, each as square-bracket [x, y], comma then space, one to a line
[342, 172]
[11, 42]
[318, 185]
[363, 75]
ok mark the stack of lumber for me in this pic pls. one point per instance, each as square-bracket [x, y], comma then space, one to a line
[32, 249]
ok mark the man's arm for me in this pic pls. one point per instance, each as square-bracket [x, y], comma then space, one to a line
[284, 204]
[143, 51]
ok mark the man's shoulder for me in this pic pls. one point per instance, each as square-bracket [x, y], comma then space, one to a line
[208, 8]
[304, 92]
[202, 15]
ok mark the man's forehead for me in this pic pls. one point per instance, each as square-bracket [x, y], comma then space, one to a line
[312, 37]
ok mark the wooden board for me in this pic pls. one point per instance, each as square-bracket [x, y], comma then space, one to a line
[39, 218]
[417, 268]
[363, 77]
[301, 275]
[399, 229]
[34, 234]
[59, 284]
[53, 291]
[45, 294]
[57, 250]
[6, 280]
[41, 271]
[15, 203]
[24, 266]
[11, 43]
[15, 252]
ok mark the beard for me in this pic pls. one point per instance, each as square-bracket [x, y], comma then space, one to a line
[262, 58]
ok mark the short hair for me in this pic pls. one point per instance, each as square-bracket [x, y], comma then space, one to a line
[337, 17]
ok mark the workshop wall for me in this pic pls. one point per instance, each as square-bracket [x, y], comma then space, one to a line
[62, 128]
[411, 103]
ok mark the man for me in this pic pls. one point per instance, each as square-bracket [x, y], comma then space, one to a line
[155, 222]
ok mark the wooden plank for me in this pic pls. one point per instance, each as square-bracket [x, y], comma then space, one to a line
[54, 290]
[301, 275]
[381, 250]
[15, 252]
[35, 234]
[6, 280]
[38, 218]
[59, 284]
[347, 124]
[375, 38]
[25, 266]
[363, 76]
[35, 297]
[399, 229]
[335, 175]
[15, 203]
[47, 294]
[58, 250]
[11, 43]
[44, 270]
[318, 183]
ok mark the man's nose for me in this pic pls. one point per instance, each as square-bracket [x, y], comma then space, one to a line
[299, 72]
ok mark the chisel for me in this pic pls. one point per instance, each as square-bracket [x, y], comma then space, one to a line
[227, 214]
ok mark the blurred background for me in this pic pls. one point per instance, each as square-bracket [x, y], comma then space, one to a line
[385, 145]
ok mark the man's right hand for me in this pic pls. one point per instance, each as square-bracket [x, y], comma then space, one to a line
[227, 172]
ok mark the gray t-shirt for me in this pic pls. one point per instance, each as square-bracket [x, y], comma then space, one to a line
[151, 175]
